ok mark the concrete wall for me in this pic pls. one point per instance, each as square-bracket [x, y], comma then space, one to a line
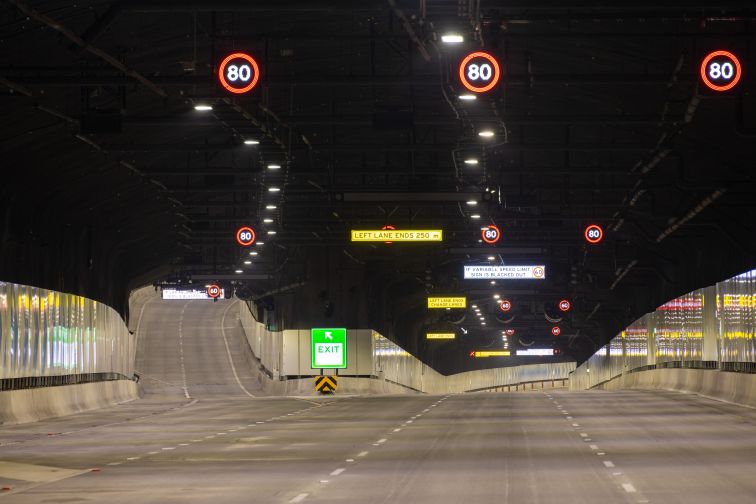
[30, 405]
[285, 355]
[737, 388]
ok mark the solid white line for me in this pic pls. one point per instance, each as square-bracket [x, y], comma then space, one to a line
[629, 488]
[228, 351]
[338, 471]
[299, 498]
[362, 454]
[181, 350]
[139, 323]
[608, 463]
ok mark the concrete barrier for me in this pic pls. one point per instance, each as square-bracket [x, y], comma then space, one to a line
[738, 388]
[30, 405]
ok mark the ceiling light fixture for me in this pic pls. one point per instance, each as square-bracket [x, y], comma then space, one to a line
[496, 296]
[468, 97]
[475, 216]
[486, 133]
[271, 232]
[274, 167]
[471, 161]
[270, 207]
[239, 271]
[251, 141]
[491, 258]
[274, 189]
[203, 108]
[472, 202]
[452, 38]
[247, 262]
[253, 253]
[267, 221]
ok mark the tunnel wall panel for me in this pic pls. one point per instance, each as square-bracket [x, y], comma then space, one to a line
[48, 333]
[710, 328]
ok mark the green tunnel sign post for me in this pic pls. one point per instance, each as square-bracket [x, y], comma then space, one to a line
[329, 347]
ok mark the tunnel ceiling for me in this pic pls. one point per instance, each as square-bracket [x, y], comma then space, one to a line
[112, 179]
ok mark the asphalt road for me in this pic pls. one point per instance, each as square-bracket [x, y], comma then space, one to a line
[221, 445]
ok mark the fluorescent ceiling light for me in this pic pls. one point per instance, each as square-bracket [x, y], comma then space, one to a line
[271, 232]
[486, 133]
[267, 221]
[468, 97]
[270, 207]
[253, 253]
[274, 167]
[472, 202]
[491, 258]
[496, 296]
[475, 216]
[247, 262]
[259, 244]
[452, 38]
[239, 271]
[471, 161]
[203, 108]
[251, 141]
[274, 189]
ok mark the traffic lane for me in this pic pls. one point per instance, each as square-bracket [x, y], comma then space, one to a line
[477, 448]
[183, 458]
[676, 448]
[112, 444]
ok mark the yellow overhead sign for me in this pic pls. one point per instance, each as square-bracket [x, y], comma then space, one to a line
[490, 353]
[447, 302]
[440, 336]
[397, 235]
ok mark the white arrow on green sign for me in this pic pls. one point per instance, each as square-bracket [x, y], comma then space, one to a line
[328, 348]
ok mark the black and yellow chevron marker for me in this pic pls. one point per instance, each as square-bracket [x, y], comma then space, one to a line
[326, 384]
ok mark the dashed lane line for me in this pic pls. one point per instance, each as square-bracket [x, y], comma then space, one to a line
[299, 498]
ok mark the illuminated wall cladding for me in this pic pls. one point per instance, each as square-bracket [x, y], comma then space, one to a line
[675, 332]
[47, 333]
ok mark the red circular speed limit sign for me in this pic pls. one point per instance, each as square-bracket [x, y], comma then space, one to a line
[564, 305]
[490, 234]
[594, 234]
[505, 305]
[238, 73]
[213, 291]
[245, 236]
[556, 331]
[720, 71]
[509, 332]
[479, 72]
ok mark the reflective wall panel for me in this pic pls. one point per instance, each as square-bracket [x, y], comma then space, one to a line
[48, 333]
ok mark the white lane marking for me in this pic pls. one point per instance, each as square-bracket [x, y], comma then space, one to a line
[397, 430]
[228, 350]
[617, 474]
[133, 458]
[629, 488]
[583, 434]
[376, 444]
[568, 417]
[338, 471]
[594, 447]
[259, 422]
[183, 444]
[209, 437]
[426, 410]
[565, 413]
[608, 463]
[152, 453]
[221, 433]
[324, 481]
[382, 440]
[601, 454]
[299, 498]
[576, 425]
[185, 388]
[410, 421]
[114, 463]
[196, 440]
[587, 440]
[170, 448]
[362, 454]
[350, 460]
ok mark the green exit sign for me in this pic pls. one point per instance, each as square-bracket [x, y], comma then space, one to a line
[328, 348]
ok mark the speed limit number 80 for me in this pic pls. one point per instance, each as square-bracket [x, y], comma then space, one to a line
[479, 72]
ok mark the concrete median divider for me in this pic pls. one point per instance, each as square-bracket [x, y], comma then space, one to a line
[30, 405]
[738, 388]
